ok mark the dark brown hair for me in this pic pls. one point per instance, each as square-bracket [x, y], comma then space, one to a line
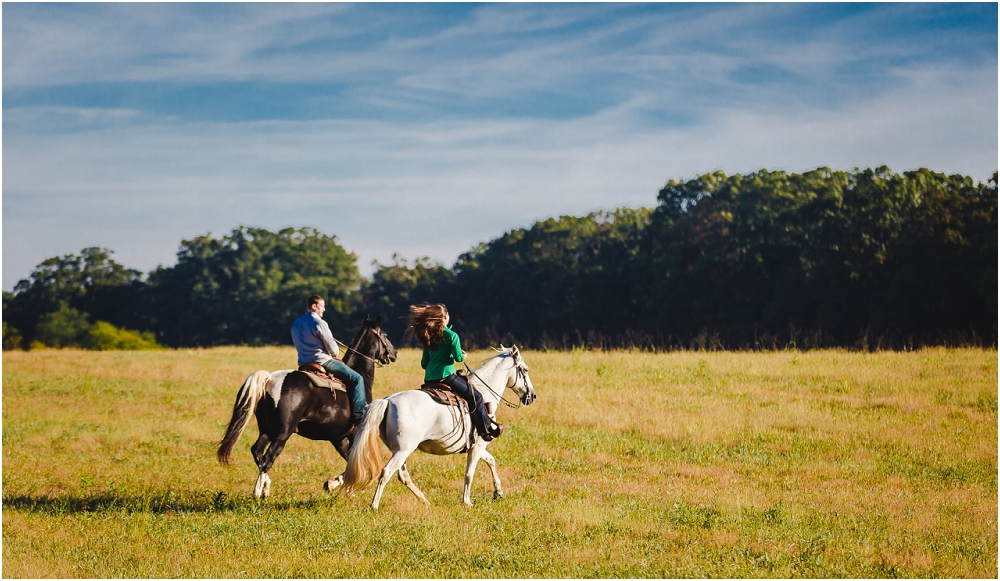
[427, 324]
[315, 299]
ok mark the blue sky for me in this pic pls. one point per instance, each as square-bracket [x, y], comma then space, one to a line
[424, 129]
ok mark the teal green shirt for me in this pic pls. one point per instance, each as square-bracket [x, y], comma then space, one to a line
[440, 363]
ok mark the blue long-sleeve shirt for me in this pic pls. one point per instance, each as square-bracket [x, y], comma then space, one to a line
[313, 339]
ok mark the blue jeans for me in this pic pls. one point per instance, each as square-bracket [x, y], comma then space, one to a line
[355, 386]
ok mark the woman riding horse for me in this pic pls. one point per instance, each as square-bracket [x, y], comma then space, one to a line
[442, 349]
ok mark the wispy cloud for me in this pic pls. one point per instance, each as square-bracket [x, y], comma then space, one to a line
[133, 126]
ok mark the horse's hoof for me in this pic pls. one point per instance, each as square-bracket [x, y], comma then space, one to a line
[497, 495]
[331, 485]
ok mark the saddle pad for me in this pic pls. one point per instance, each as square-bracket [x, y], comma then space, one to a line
[328, 383]
[443, 396]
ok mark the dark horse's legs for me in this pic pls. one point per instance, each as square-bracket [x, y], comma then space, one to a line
[276, 427]
[343, 447]
[275, 449]
[258, 448]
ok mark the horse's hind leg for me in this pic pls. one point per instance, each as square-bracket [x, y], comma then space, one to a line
[258, 448]
[404, 477]
[390, 468]
[262, 489]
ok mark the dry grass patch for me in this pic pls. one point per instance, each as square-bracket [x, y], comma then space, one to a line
[687, 464]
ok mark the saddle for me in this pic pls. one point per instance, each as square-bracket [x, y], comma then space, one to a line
[441, 393]
[321, 377]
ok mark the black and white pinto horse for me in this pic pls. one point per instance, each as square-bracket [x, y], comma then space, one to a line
[287, 402]
[410, 420]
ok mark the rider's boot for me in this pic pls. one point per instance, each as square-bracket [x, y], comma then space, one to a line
[485, 427]
[494, 432]
[497, 428]
[357, 415]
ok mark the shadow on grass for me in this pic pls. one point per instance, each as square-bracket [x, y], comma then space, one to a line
[156, 503]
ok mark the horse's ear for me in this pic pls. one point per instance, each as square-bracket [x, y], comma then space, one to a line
[367, 318]
[378, 322]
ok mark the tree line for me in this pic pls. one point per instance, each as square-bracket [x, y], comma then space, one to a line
[862, 259]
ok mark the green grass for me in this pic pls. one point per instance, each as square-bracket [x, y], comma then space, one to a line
[687, 464]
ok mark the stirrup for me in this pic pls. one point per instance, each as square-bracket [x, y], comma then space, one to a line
[490, 435]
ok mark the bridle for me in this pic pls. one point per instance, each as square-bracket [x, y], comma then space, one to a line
[522, 375]
[382, 340]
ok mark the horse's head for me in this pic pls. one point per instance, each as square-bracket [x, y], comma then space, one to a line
[376, 342]
[519, 382]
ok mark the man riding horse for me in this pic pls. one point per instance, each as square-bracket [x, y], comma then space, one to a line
[315, 344]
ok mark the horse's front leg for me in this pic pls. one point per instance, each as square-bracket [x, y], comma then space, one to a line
[343, 447]
[475, 453]
[492, 463]
[334, 484]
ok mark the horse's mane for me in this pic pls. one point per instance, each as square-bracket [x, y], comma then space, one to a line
[503, 351]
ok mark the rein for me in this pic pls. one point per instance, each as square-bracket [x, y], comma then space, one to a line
[375, 362]
[499, 396]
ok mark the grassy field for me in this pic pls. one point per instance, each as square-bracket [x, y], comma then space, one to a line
[685, 464]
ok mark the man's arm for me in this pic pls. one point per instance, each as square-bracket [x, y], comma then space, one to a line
[326, 337]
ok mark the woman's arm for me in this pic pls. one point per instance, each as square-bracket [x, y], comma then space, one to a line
[456, 348]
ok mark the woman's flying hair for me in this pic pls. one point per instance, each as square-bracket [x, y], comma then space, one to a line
[427, 323]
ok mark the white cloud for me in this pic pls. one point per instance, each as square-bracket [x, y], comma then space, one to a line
[379, 185]
[138, 181]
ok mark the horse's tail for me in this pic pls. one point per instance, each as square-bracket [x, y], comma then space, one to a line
[246, 402]
[365, 459]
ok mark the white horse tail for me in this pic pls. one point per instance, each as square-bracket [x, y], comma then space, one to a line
[365, 460]
[246, 402]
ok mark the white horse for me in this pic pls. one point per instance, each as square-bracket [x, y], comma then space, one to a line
[411, 420]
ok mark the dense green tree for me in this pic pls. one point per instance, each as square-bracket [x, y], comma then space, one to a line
[557, 283]
[91, 282]
[64, 327]
[248, 287]
[869, 257]
[834, 255]
[12, 338]
[394, 287]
